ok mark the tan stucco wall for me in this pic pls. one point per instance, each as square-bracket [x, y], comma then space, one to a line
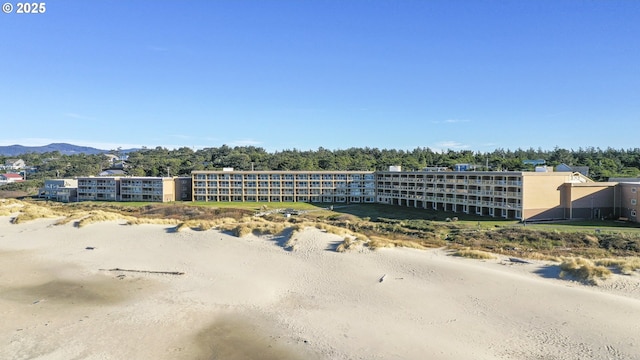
[541, 195]
[168, 190]
[591, 200]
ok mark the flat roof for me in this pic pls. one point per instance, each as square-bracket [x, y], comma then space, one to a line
[593, 184]
[283, 171]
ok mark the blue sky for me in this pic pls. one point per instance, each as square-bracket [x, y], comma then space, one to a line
[474, 75]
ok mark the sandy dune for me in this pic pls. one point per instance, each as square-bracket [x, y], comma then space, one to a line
[249, 298]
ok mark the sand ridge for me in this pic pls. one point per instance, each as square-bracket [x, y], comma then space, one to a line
[251, 297]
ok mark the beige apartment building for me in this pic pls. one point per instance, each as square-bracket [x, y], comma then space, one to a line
[591, 200]
[510, 195]
[525, 196]
[285, 186]
[156, 189]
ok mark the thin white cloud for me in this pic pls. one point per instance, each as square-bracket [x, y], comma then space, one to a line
[245, 142]
[449, 145]
[180, 136]
[455, 121]
[452, 144]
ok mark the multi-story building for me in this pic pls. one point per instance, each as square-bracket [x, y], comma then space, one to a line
[628, 197]
[526, 196]
[156, 189]
[511, 195]
[98, 188]
[63, 190]
[285, 186]
[183, 188]
[153, 189]
[590, 200]
[629, 200]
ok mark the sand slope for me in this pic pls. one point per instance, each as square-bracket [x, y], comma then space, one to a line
[250, 298]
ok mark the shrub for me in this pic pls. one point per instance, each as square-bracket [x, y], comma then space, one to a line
[242, 230]
[349, 243]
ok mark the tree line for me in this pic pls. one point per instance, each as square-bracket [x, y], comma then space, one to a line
[160, 161]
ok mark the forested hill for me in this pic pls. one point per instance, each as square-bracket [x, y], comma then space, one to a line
[161, 161]
[62, 148]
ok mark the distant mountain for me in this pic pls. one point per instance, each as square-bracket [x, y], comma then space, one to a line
[65, 149]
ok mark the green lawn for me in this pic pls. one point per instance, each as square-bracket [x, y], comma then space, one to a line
[374, 211]
[257, 206]
[591, 226]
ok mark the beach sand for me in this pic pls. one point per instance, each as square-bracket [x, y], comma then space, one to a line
[250, 298]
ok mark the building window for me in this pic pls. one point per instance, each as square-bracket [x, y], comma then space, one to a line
[634, 201]
[633, 213]
[633, 190]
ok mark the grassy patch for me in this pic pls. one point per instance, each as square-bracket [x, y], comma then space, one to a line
[625, 265]
[351, 243]
[101, 216]
[583, 270]
[474, 254]
[258, 206]
[376, 242]
[30, 212]
[9, 206]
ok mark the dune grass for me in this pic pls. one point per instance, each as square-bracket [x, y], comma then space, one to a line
[151, 221]
[625, 266]
[101, 216]
[358, 225]
[545, 257]
[377, 242]
[332, 229]
[249, 225]
[30, 212]
[6, 211]
[474, 254]
[180, 227]
[291, 243]
[584, 270]
[10, 206]
[352, 243]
